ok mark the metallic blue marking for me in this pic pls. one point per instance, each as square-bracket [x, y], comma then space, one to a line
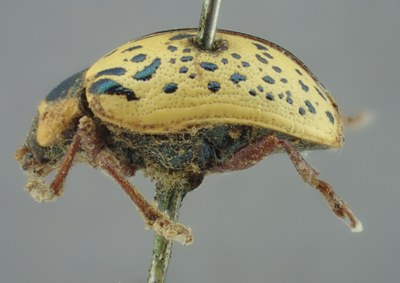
[236, 78]
[284, 80]
[148, 71]
[186, 58]
[269, 80]
[303, 86]
[259, 46]
[310, 107]
[183, 70]
[224, 61]
[208, 66]
[320, 93]
[302, 111]
[266, 54]
[192, 75]
[260, 88]
[62, 90]
[111, 87]
[186, 50]
[277, 69]
[112, 72]
[214, 86]
[181, 36]
[330, 116]
[289, 97]
[270, 96]
[132, 48]
[138, 58]
[261, 59]
[172, 48]
[245, 64]
[236, 56]
[170, 88]
[253, 92]
[172, 60]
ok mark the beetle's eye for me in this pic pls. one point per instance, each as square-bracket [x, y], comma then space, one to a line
[111, 87]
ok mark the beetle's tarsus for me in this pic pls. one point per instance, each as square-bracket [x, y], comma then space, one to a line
[40, 191]
[309, 175]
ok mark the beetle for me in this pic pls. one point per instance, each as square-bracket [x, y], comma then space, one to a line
[163, 105]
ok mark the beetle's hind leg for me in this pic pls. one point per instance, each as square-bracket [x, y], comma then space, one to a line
[255, 152]
[339, 207]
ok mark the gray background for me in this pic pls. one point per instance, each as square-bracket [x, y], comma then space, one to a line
[259, 225]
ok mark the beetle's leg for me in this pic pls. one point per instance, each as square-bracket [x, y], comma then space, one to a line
[36, 186]
[58, 183]
[247, 156]
[339, 207]
[99, 156]
[255, 152]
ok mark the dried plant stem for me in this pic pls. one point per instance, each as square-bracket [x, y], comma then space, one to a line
[169, 201]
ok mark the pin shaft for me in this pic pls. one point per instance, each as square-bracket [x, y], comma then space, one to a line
[208, 24]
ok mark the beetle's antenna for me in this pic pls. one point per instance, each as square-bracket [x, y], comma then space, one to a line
[208, 24]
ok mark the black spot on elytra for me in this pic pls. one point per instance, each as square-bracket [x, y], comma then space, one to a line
[281, 95]
[259, 46]
[269, 80]
[111, 87]
[181, 36]
[260, 88]
[253, 92]
[172, 60]
[192, 75]
[208, 66]
[330, 117]
[266, 54]
[132, 48]
[261, 59]
[224, 61]
[111, 72]
[310, 107]
[303, 86]
[138, 58]
[186, 50]
[302, 111]
[299, 72]
[236, 56]
[170, 88]
[289, 97]
[148, 71]
[214, 86]
[284, 80]
[236, 78]
[269, 96]
[320, 93]
[172, 48]
[186, 58]
[183, 70]
[276, 69]
[245, 64]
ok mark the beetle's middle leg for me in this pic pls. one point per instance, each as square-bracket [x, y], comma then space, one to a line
[97, 155]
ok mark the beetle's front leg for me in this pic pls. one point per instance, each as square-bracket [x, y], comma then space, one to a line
[253, 153]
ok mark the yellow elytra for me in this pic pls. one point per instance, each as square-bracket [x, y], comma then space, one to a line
[162, 84]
